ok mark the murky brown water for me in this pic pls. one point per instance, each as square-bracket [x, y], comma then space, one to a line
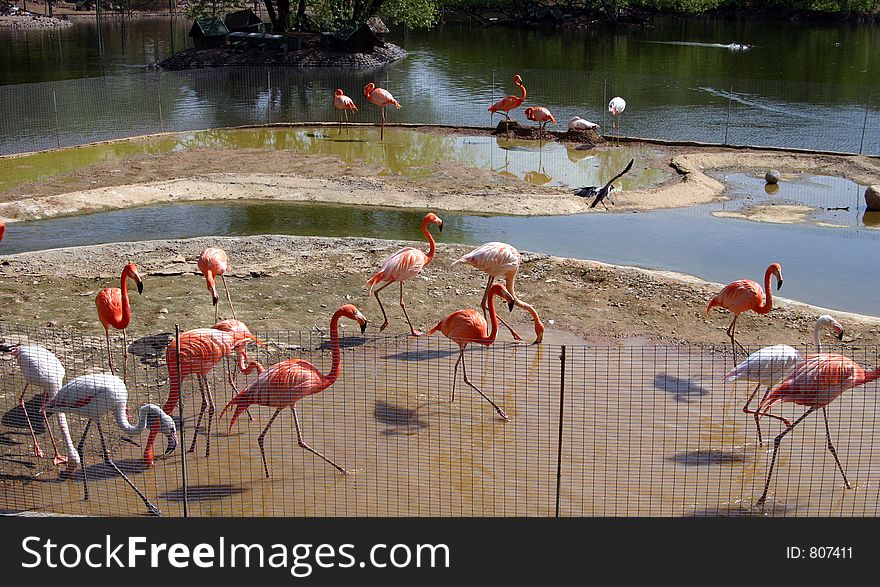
[648, 431]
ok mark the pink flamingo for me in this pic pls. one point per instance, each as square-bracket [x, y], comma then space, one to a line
[2, 230]
[508, 103]
[403, 266]
[502, 260]
[540, 114]
[816, 382]
[285, 383]
[744, 295]
[114, 310]
[380, 98]
[214, 262]
[468, 326]
[201, 350]
[343, 103]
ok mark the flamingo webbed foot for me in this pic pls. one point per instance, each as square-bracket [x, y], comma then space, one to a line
[59, 460]
[38, 452]
[417, 333]
[384, 326]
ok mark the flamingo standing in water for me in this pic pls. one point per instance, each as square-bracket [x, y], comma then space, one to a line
[616, 107]
[380, 98]
[285, 383]
[95, 395]
[768, 366]
[343, 103]
[502, 260]
[214, 262]
[114, 310]
[815, 383]
[468, 326]
[201, 350]
[508, 103]
[403, 266]
[41, 368]
[540, 114]
[744, 295]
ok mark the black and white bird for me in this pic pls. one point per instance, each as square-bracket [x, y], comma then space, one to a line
[604, 191]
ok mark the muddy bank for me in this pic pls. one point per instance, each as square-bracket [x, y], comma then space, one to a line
[296, 282]
[206, 173]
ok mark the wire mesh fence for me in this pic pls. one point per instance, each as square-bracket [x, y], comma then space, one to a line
[724, 111]
[593, 431]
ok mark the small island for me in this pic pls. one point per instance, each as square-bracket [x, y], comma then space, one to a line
[241, 38]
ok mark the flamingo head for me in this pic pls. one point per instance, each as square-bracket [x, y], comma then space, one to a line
[776, 269]
[338, 92]
[827, 322]
[131, 271]
[539, 332]
[517, 79]
[530, 113]
[431, 218]
[149, 412]
[499, 290]
[368, 89]
[350, 311]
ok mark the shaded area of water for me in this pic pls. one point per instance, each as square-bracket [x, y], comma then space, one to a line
[402, 151]
[686, 240]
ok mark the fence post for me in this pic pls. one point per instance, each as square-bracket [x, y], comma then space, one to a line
[159, 98]
[865, 123]
[561, 416]
[604, 102]
[727, 125]
[182, 443]
[268, 95]
[55, 110]
[491, 115]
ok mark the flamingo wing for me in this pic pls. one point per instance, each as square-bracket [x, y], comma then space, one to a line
[494, 258]
[214, 260]
[768, 365]
[109, 305]
[816, 382]
[400, 266]
[506, 104]
[463, 326]
[739, 296]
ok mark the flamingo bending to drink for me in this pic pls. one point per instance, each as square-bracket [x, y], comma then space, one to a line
[403, 266]
[214, 262]
[285, 383]
[95, 395]
[502, 260]
[468, 326]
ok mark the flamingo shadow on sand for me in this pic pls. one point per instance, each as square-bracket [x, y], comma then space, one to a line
[202, 493]
[682, 390]
[345, 342]
[401, 420]
[151, 349]
[705, 458]
[15, 418]
[421, 355]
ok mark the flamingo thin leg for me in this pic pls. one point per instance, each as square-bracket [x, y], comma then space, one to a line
[455, 373]
[59, 458]
[468, 381]
[381, 307]
[832, 449]
[303, 444]
[124, 355]
[262, 437]
[82, 461]
[109, 351]
[402, 305]
[38, 452]
[192, 446]
[228, 297]
[776, 442]
[212, 408]
[153, 510]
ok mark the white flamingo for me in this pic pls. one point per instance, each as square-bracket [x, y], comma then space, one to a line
[40, 368]
[502, 260]
[616, 107]
[768, 366]
[578, 123]
[97, 394]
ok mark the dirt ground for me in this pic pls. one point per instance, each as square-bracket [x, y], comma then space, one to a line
[209, 173]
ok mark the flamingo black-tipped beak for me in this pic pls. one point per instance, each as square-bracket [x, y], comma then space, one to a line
[779, 284]
[363, 328]
[441, 227]
[215, 300]
[140, 285]
[510, 306]
[840, 335]
[172, 443]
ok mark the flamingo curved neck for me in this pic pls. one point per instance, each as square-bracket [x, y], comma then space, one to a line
[523, 90]
[209, 278]
[870, 376]
[767, 304]
[493, 320]
[128, 427]
[126, 307]
[817, 342]
[433, 247]
[336, 367]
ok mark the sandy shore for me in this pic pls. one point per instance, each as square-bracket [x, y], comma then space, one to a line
[217, 174]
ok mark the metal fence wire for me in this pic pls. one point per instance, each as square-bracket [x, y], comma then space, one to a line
[648, 430]
[774, 113]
